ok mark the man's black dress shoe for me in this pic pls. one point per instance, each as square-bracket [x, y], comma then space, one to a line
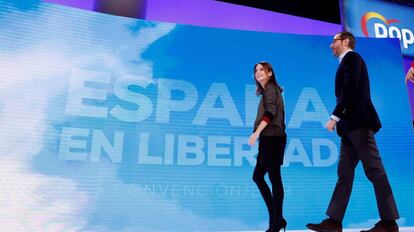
[327, 225]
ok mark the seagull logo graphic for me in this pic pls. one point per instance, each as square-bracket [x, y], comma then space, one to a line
[370, 15]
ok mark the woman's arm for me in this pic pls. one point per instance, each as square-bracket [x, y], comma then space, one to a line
[256, 134]
[269, 103]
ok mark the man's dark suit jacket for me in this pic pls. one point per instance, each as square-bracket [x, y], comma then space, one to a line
[354, 106]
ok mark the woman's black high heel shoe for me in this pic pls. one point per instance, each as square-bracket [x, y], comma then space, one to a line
[282, 224]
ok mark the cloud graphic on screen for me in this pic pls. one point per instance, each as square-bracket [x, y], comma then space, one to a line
[30, 201]
[370, 222]
[34, 70]
[36, 67]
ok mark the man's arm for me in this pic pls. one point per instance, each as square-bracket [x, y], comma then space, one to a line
[352, 72]
[410, 74]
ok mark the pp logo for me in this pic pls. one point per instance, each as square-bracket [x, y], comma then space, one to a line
[381, 31]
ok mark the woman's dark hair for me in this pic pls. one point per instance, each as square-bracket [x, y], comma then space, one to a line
[268, 67]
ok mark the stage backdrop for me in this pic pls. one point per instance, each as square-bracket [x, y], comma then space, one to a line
[117, 124]
[383, 19]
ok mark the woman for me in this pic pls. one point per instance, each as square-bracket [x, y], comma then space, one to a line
[269, 128]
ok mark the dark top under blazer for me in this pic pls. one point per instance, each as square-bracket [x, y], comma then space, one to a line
[271, 105]
[353, 98]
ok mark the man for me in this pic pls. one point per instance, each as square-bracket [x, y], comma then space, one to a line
[356, 121]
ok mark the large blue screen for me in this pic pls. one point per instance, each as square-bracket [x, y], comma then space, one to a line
[116, 124]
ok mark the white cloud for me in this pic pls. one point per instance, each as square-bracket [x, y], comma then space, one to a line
[32, 77]
[371, 222]
[35, 202]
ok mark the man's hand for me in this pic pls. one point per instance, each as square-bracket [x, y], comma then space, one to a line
[410, 75]
[253, 138]
[330, 125]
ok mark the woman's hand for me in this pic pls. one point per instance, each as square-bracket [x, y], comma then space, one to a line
[253, 138]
